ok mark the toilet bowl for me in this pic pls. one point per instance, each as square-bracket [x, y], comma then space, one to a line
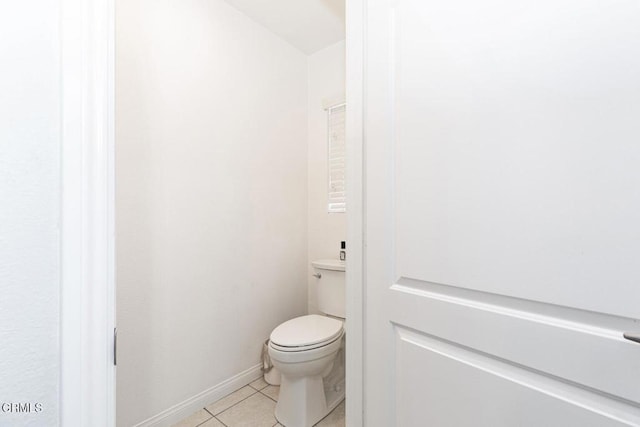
[309, 353]
[304, 350]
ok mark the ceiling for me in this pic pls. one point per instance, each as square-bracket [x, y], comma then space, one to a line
[309, 25]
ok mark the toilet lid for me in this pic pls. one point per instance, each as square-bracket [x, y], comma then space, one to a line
[306, 330]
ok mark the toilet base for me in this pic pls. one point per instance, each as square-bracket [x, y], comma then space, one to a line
[307, 403]
[305, 400]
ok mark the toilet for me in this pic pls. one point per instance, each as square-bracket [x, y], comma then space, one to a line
[309, 353]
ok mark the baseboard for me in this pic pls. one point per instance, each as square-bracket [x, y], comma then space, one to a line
[183, 409]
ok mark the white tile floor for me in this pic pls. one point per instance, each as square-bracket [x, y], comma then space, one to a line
[251, 406]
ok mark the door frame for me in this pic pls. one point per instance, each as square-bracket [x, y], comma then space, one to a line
[355, 280]
[87, 290]
[87, 294]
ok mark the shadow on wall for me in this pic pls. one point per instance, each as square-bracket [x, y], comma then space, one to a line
[336, 7]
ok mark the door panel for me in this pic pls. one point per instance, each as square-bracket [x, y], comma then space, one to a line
[501, 203]
[445, 385]
[516, 139]
[573, 345]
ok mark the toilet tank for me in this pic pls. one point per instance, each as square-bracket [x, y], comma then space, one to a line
[330, 286]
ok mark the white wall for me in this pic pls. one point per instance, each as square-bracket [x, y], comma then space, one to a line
[211, 197]
[29, 210]
[326, 82]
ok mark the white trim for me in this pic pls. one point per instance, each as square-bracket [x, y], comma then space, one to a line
[187, 407]
[87, 375]
[355, 10]
[87, 380]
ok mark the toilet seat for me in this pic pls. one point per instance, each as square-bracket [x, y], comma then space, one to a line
[307, 348]
[304, 355]
[306, 333]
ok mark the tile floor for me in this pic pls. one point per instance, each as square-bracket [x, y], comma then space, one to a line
[251, 406]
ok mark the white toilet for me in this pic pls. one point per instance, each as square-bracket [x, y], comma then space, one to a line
[309, 353]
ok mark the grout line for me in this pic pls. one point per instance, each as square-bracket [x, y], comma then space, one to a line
[214, 417]
[220, 421]
[207, 420]
[258, 389]
[238, 402]
[252, 394]
[266, 395]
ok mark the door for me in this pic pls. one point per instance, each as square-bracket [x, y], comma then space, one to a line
[502, 212]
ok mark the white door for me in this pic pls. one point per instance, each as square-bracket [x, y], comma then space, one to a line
[502, 212]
